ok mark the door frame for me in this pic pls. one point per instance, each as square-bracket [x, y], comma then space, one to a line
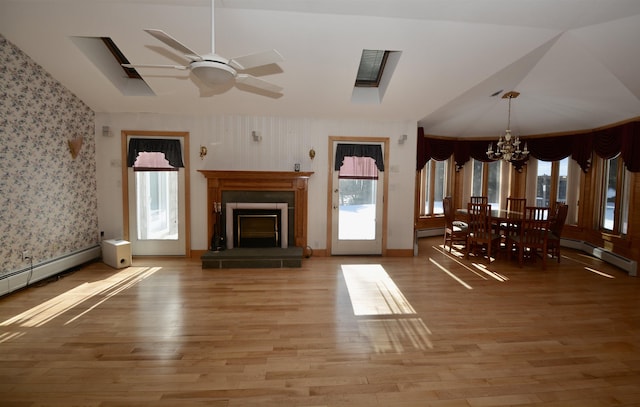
[385, 188]
[184, 135]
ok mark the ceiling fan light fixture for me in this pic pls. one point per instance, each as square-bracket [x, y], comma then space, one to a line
[213, 73]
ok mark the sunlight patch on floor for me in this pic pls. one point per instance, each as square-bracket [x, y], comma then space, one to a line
[602, 273]
[61, 304]
[373, 292]
[450, 274]
[389, 321]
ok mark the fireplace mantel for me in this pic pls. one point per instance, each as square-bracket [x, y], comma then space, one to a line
[220, 181]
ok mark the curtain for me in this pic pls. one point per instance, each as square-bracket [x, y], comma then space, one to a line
[359, 150]
[607, 143]
[170, 147]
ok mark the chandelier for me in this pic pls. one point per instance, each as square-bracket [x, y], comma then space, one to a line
[508, 146]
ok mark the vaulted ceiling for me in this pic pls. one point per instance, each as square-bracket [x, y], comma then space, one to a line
[576, 63]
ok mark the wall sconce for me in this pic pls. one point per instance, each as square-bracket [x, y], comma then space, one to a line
[402, 139]
[312, 153]
[256, 137]
[203, 152]
[75, 144]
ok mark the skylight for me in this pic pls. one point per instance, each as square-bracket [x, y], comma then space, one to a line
[107, 57]
[120, 58]
[374, 75]
[372, 63]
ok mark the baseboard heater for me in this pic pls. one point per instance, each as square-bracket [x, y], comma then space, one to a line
[630, 266]
[18, 279]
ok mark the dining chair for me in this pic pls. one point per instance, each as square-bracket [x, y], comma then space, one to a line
[533, 237]
[479, 200]
[455, 231]
[511, 227]
[556, 224]
[481, 233]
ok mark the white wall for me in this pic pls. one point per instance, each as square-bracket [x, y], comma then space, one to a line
[285, 141]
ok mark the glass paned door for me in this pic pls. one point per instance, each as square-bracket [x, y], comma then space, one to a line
[157, 211]
[357, 207]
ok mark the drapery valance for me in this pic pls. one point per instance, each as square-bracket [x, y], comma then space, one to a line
[359, 150]
[170, 147]
[607, 143]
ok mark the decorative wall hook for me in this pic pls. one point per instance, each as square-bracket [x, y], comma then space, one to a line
[312, 153]
[203, 152]
[256, 137]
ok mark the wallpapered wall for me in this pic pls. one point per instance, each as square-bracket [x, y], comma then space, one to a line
[48, 201]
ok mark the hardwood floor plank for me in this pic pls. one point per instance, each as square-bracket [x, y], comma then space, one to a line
[431, 330]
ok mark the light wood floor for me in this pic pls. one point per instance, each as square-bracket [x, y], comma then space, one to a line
[431, 330]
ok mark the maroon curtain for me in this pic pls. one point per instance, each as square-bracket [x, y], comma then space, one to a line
[607, 143]
[631, 146]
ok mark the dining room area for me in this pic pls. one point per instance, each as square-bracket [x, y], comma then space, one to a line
[516, 232]
[522, 208]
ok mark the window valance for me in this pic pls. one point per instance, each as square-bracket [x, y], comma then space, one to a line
[359, 150]
[607, 143]
[170, 147]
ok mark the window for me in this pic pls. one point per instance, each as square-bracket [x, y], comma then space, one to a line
[156, 197]
[486, 180]
[557, 181]
[563, 180]
[433, 187]
[615, 208]
[543, 184]
[120, 58]
[371, 67]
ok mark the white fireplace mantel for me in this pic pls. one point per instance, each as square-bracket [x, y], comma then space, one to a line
[284, 225]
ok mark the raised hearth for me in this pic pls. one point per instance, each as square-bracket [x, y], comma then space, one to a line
[240, 257]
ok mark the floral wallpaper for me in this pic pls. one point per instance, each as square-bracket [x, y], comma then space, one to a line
[48, 199]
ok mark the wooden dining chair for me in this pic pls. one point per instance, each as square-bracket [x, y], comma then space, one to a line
[511, 227]
[479, 200]
[455, 231]
[532, 240]
[556, 224]
[482, 235]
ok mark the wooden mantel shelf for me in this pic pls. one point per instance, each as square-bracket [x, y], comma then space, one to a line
[296, 181]
[255, 175]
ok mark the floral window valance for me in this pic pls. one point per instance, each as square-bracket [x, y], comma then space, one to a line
[607, 143]
[170, 147]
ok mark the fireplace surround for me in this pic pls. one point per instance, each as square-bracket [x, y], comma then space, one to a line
[221, 184]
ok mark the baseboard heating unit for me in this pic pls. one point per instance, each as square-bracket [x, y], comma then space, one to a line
[18, 279]
[630, 266]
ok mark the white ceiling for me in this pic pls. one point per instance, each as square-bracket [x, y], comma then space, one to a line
[576, 63]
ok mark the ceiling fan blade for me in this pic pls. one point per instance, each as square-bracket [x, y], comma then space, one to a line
[257, 59]
[181, 67]
[175, 44]
[258, 83]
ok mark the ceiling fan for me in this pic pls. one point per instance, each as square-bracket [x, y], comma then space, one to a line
[214, 70]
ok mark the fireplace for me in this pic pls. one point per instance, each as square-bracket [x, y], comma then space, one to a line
[224, 187]
[256, 230]
[256, 224]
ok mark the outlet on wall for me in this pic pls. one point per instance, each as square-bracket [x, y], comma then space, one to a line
[26, 255]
